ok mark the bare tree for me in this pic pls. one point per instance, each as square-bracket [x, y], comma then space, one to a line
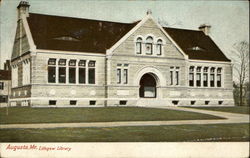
[241, 66]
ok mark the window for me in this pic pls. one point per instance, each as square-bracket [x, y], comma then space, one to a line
[118, 75]
[159, 47]
[82, 71]
[125, 75]
[192, 102]
[3, 99]
[207, 102]
[205, 78]
[212, 77]
[198, 76]
[62, 74]
[191, 76]
[92, 102]
[1, 85]
[52, 102]
[149, 45]
[62, 70]
[72, 102]
[122, 73]
[171, 77]
[175, 102]
[123, 102]
[177, 75]
[91, 70]
[174, 75]
[220, 102]
[52, 71]
[139, 45]
[219, 77]
[72, 71]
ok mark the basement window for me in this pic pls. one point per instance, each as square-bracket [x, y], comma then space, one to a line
[220, 102]
[92, 102]
[207, 102]
[123, 102]
[72, 102]
[175, 102]
[52, 102]
[192, 102]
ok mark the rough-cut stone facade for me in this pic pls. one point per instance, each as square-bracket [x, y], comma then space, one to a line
[106, 91]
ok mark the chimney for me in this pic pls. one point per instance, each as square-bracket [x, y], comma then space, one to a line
[149, 12]
[23, 8]
[205, 28]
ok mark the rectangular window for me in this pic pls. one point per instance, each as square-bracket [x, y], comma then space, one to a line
[205, 80]
[72, 63]
[52, 74]
[1, 85]
[218, 80]
[62, 62]
[82, 75]
[125, 75]
[149, 48]
[118, 76]
[82, 63]
[52, 61]
[92, 102]
[191, 79]
[212, 80]
[52, 102]
[171, 78]
[198, 79]
[62, 75]
[91, 71]
[72, 75]
[177, 77]
[159, 49]
[3, 98]
[72, 102]
[219, 77]
[91, 76]
[138, 48]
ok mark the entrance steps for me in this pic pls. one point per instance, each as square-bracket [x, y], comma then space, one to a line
[152, 102]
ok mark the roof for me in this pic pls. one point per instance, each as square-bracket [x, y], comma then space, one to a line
[74, 34]
[5, 75]
[85, 35]
[196, 44]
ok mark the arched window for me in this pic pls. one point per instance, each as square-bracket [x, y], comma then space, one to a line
[159, 47]
[139, 45]
[149, 45]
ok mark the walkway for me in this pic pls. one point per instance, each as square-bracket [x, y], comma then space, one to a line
[230, 118]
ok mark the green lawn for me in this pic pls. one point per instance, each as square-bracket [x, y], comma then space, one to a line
[107, 114]
[236, 109]
[173, 133]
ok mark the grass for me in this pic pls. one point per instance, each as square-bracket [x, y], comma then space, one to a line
[235, 109]
[107, 114]
[173, 133]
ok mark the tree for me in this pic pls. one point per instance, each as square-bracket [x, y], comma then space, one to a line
[240, 60]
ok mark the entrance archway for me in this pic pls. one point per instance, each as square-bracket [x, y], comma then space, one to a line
[148, 86]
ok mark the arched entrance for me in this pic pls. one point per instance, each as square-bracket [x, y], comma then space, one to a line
[148, 86]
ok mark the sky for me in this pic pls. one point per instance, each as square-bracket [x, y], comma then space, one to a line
[229, 19]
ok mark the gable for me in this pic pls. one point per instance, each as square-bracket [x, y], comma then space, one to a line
[148, 28]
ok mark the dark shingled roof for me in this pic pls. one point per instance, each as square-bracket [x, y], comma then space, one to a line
[74, 34]
[85, 35]
[5, 75]
[196, 44]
